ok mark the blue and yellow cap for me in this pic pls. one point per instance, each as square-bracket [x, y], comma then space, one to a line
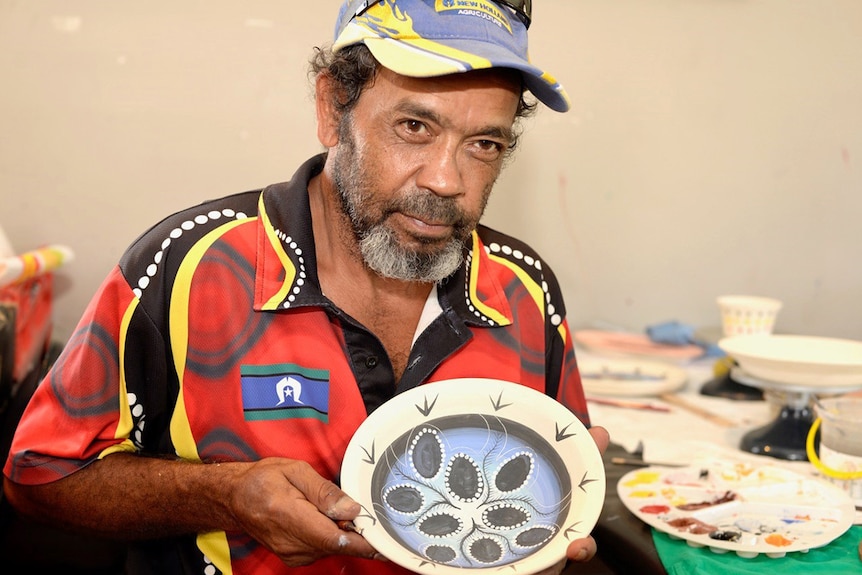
[426, 38]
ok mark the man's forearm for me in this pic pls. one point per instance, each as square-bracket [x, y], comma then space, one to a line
[134, 497]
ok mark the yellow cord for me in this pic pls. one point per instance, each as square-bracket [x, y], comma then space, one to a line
[821, 467]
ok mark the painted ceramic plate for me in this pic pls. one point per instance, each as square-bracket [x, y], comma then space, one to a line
[630, 377]
[474, 474]
[736, 507]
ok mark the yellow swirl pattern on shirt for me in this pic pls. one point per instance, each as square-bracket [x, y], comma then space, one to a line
[286, 263]
[181, 433]
[534, 289]
[125, 424]
[484, 309]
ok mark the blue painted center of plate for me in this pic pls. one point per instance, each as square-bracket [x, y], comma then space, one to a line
[471, 491]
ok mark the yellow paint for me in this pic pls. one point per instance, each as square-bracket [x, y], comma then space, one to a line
[643, 478]
[642, 494]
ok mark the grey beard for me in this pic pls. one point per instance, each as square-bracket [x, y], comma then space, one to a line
[381, 253]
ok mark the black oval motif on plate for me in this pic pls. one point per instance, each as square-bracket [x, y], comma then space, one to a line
[441, 525]
[427, 454]
[505, 517]
[486, 550]
[405, 499]
[463, 478]
[440, 553]
[514, 473]
[534, 536]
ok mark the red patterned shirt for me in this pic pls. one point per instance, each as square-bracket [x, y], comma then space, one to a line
[211, 340]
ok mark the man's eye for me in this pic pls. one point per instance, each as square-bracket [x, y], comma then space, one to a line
[414, 126]
[489, 149]
[490, 146]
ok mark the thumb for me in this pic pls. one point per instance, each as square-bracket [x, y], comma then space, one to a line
[324, 494]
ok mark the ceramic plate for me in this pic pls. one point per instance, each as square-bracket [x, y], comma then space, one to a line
[811, 362]
[474, 474]
[633, 344]
[629, 377]
[737, 507]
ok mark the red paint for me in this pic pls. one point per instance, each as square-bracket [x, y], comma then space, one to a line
[655, 509]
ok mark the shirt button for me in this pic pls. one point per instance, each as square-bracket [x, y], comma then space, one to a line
[371, 362]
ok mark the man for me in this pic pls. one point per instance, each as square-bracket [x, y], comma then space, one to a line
[368, 272]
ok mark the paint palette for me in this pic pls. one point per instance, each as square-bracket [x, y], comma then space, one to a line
[737, 507]
[474, 474]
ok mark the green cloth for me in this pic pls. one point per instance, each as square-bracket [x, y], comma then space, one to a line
[841, 557]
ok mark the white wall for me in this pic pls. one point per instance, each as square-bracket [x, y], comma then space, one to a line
[715, 146]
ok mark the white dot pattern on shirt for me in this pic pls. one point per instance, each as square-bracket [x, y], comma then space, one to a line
[301, 273]
[176, 233]
[495, 248]
[139, 420]
[470, 305]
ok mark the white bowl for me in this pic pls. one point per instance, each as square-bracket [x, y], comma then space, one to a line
[798, 360]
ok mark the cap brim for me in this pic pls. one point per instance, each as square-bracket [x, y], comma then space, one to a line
[422, 58]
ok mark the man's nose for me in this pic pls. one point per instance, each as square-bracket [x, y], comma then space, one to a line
[441, 170]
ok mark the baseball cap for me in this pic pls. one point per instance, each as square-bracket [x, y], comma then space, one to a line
[426, 38]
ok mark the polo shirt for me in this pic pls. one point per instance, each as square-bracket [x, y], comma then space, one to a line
[211, 340]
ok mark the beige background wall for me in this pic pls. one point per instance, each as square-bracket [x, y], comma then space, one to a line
[715, 146]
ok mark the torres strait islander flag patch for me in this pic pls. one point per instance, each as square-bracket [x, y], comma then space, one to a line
[284, 391]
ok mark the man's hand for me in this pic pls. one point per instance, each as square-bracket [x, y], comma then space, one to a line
[289, 508]
[581, 550]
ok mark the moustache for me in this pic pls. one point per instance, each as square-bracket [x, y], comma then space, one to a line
[431, 207]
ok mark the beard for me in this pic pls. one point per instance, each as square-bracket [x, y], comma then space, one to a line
[432, 260]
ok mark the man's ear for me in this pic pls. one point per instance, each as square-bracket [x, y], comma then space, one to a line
[328, 116]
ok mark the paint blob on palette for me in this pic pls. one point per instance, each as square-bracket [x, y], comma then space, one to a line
[738, 507]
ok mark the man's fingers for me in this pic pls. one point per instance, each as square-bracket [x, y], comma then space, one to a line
[601, 437]
[323, 494]
[581, 550]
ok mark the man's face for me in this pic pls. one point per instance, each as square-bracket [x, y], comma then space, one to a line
[415, 162]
